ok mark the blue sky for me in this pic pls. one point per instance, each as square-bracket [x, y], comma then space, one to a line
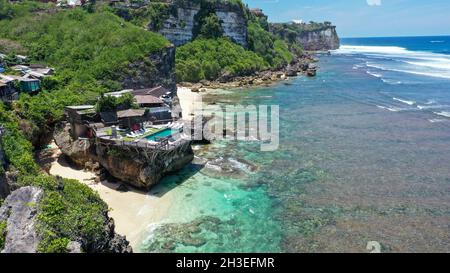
[365, 18]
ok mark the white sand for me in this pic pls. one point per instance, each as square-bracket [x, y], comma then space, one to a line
[132, 211]
[188, 101]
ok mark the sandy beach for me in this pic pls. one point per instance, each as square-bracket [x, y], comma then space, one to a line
[133, 211]
[188, 101]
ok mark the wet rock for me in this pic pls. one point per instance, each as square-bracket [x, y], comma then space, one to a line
[311, 72]
[229, 166]
[166, 237]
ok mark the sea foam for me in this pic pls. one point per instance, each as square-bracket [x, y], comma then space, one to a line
[409, 102]
[401, 60]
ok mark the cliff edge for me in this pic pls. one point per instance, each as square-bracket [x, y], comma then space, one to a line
[311, 37]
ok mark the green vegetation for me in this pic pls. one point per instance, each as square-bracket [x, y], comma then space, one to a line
[210, 55]
[8, 11]
[3, 225]
[204, 59]
[87, 50]
[152, 16]
[210, 58]
[274, 51]
[69, 211]
[17, 148]
[111, 103]
[208, 27]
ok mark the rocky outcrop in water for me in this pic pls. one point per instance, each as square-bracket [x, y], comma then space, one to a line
[169, 236]
[312, 37]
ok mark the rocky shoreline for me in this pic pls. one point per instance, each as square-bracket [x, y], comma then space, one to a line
[304, 65]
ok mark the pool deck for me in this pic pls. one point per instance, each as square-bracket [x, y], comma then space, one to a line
[104, 135]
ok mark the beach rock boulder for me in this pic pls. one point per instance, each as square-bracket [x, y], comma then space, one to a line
[141, 167]
[80, 151]
[19, 213]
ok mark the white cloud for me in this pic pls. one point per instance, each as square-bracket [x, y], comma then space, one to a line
[374, 2]
[297, 21]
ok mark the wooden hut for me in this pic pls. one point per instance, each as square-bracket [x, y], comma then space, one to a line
[131, 118]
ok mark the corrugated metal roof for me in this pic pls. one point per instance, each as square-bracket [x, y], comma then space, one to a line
[131, 113]
[148, 99]
[80, 107]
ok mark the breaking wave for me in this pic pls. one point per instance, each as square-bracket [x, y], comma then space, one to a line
[401, 60]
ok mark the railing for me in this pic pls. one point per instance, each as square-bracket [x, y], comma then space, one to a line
[163, 143]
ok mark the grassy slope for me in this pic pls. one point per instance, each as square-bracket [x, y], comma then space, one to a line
[208, 58]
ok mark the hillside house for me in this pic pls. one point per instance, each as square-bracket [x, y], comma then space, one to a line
[79, 118]
[29, 85]
[132, 119]
[148, 101]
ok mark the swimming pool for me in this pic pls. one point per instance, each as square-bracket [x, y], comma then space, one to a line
[161, 134]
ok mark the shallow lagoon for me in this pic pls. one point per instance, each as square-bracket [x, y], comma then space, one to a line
[347, 172]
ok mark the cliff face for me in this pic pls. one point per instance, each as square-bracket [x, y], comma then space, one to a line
[179, 26]
[326, 39]
[309, 36]
[154, 70]
[143, 168]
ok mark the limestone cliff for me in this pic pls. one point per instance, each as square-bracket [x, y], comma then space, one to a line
[178, 20]
[143, 168]
[21, 235]
[179, 26]
[312, 37]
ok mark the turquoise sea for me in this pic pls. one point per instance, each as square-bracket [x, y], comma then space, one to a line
[364, 156]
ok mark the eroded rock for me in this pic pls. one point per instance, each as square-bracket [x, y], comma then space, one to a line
[19, 211]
